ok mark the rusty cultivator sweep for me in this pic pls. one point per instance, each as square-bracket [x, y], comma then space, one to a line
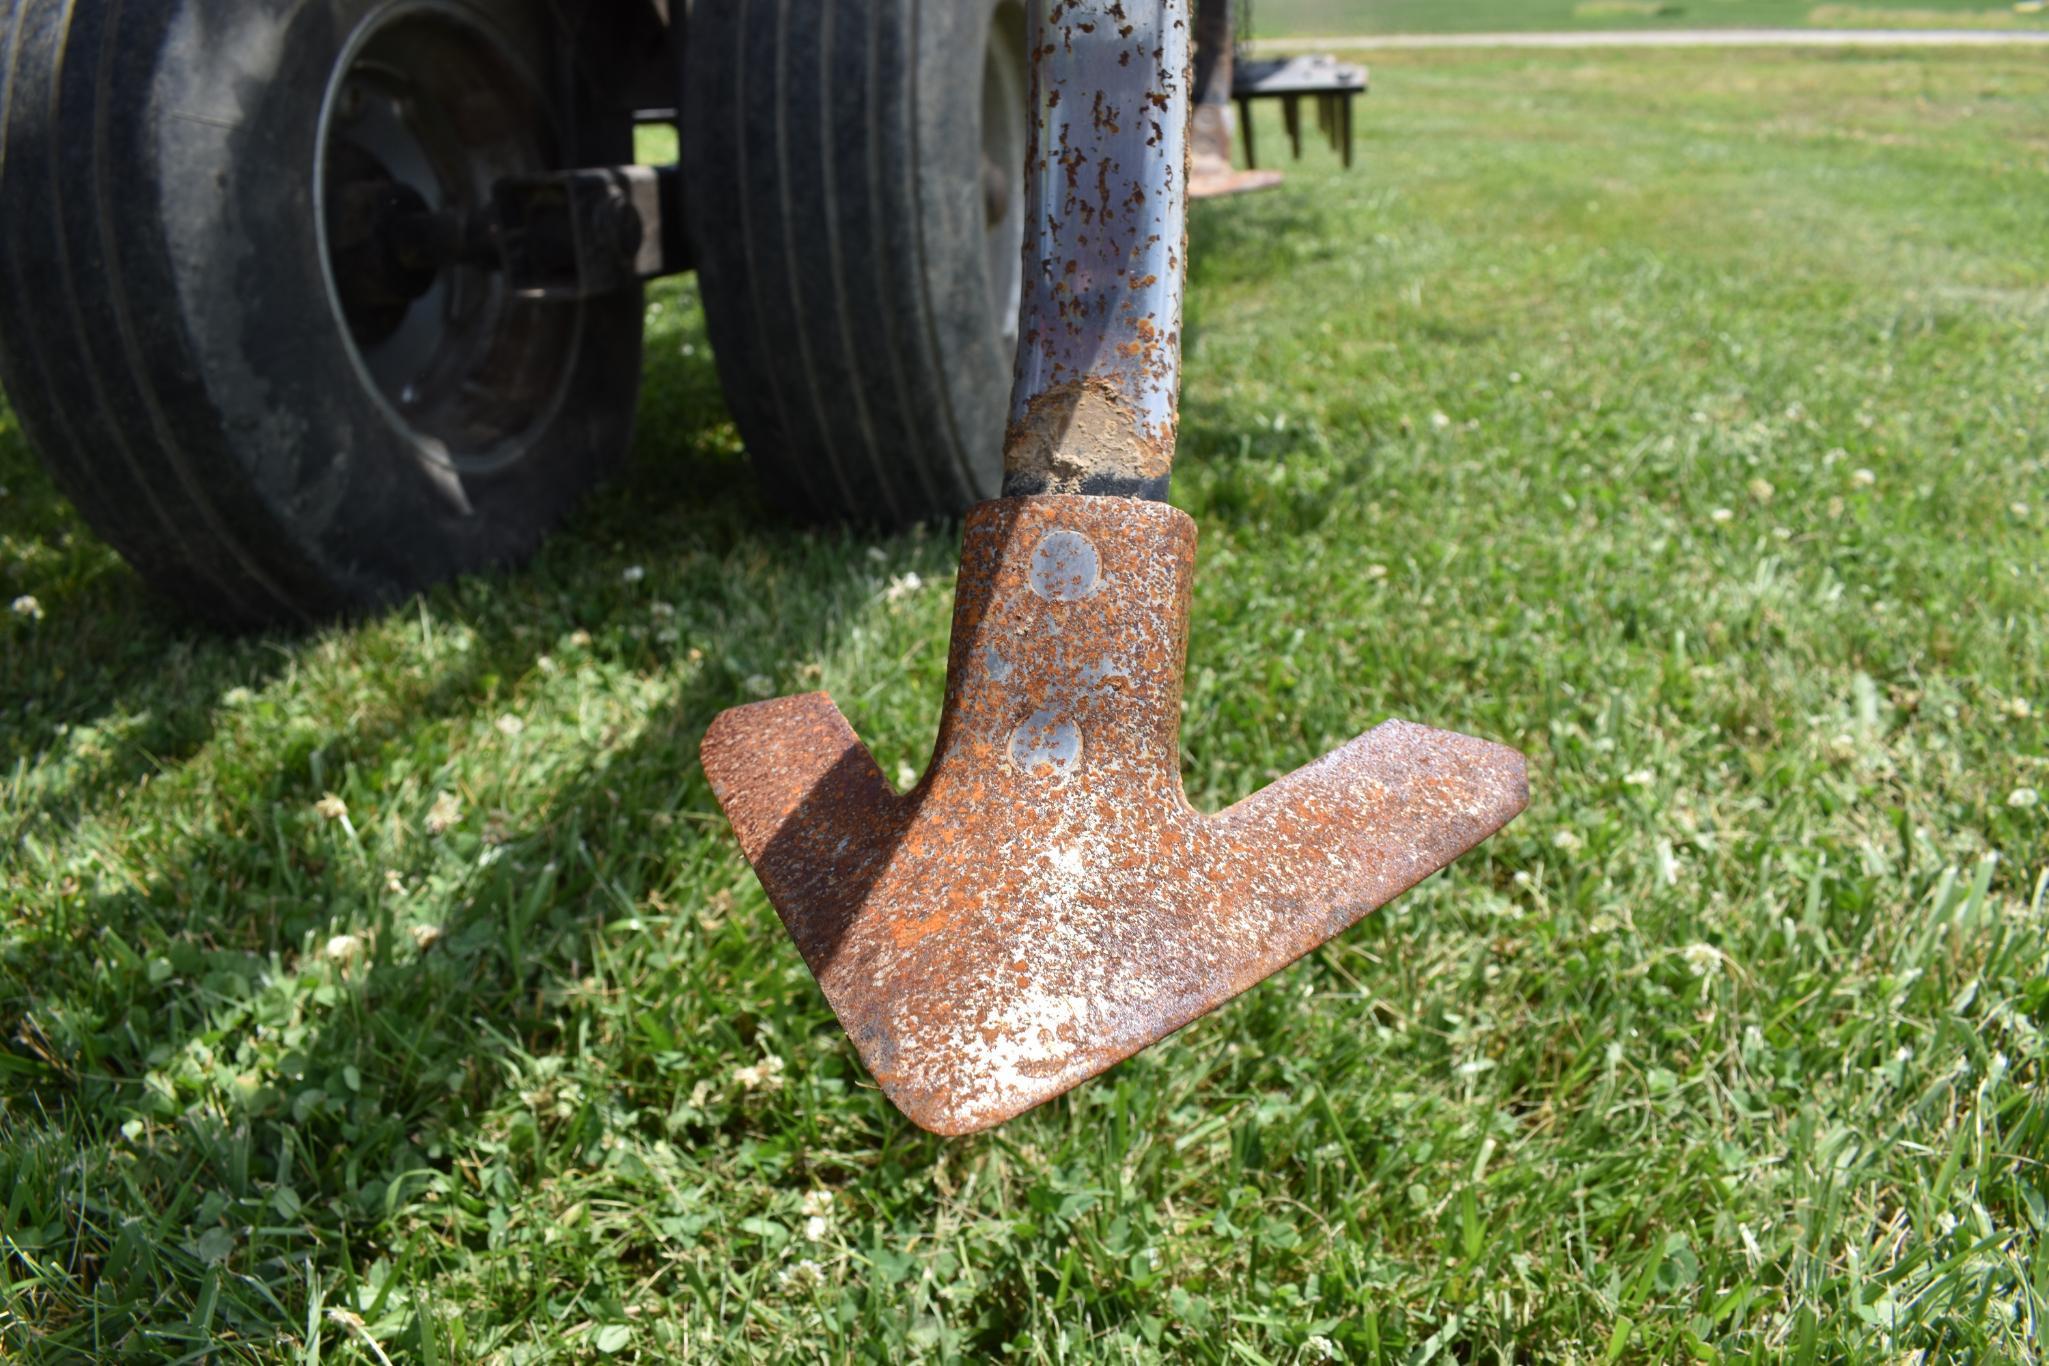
[1045, 903]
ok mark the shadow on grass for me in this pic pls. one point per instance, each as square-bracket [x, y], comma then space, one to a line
[133, 690]
[105, 643]
[105, 1011]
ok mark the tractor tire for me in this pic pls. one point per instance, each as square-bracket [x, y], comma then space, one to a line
[856, 177]
[185, 333]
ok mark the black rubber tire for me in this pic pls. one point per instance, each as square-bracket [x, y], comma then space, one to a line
[835, 168]
[166, 334]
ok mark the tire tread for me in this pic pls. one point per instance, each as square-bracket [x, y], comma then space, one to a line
[802, 146]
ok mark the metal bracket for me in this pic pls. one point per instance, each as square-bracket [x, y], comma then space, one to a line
[591, 231]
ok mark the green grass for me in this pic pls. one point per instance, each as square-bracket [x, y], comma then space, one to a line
[1299, 18]
[1680, 418]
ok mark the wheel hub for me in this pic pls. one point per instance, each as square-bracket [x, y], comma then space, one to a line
[429, 109]
[377, 276]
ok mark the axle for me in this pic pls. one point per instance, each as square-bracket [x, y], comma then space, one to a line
[566, 235]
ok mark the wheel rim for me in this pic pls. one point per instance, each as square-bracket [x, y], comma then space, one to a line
[1005, 107]
[429, 108]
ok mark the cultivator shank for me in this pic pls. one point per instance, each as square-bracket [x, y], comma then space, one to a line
[1045, 902]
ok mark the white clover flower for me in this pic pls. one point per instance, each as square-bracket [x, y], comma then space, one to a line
[903, 586]
[1376, 572]
[1440, 421]
[815, 1228]
[237, 697]
[427, 936]
[1721, 516]
[766, 1075]
[759, 685]
[633, 573]
[804, 1273]
[446, 815]
[1566, 840]
[510, 725]
[26, 606]
[1643, 777]
[343, 948]
[1863, 478]
[331, 808]
[1761, 490]
[2022, 798]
